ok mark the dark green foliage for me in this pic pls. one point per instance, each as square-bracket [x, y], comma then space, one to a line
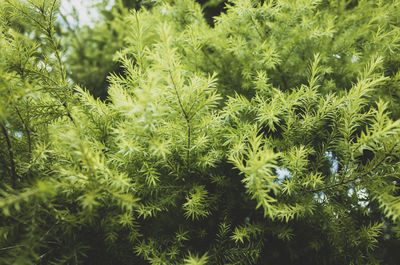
[270, 137]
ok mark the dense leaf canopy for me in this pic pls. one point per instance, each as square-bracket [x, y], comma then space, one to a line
[268, 135]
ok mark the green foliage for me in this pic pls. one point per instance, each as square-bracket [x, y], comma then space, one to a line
[90, 49]
[195, 260]
[270, 137]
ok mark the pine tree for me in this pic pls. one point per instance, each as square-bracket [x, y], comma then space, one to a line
[271, 137]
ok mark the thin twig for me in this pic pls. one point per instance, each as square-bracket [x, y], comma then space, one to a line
[28, 133]
[7, 248]
[177, 95]
[187, 118]
[256, 27]
[11, 156]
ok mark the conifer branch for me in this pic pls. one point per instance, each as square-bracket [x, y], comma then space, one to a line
[188, 145]
[49, 32]
[50, 35]
[26, 14]
[127, 148]
[28, 132]
[68, 113]
[42, 75]
[187, 118]
[256, 27]
[11, 156]
[177, 95]
[11, 247]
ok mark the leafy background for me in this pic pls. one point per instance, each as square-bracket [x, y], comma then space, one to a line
[164, 134]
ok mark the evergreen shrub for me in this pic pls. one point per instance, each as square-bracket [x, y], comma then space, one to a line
[269, 137]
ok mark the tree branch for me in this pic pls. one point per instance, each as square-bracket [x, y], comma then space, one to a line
[187, 118]
[7, 248]
[28, 133]
[11, 156]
